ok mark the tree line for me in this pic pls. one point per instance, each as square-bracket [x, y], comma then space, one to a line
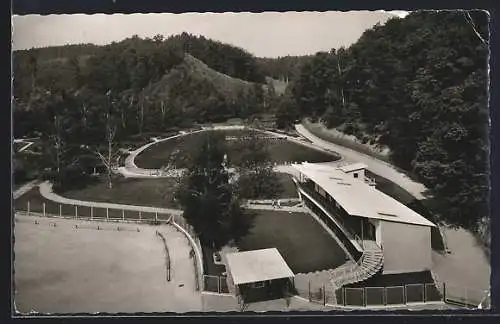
[155, 82]
[419, 86]
[211, 196]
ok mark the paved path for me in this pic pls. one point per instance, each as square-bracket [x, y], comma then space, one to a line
[47, 193]
[131, 170]
[290, 209]
[25, 141]
[466, 266]
[376, 166]
[24, 189]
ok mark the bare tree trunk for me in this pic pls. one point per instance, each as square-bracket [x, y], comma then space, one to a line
[162, 114]
[142, 117]
[123, 119]
[84, 115]
[109, 159]
[110, 182]
[58, 143]
[111, 132]
[342, 97]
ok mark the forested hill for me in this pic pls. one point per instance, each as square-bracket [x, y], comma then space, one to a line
[419, 86]
[182, 79]
[283, 68]
[141, 59]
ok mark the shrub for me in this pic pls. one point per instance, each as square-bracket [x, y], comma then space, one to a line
[349, 129]
[359, 134]
[72, 177]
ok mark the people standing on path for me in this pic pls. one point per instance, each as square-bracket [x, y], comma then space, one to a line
[279, 203]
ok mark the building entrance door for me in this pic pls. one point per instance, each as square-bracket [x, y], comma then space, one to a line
[368, 230]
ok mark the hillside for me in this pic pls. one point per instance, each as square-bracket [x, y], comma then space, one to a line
[154, 83]
[131, 63]
[193, 68]
[198, 93]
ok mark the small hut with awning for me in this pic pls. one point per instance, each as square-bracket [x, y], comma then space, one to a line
[260, 274]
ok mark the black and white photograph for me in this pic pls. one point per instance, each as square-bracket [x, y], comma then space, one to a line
[245, 162]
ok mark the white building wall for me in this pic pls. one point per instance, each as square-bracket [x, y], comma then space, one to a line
[361, 174]
[407, 247]
[378, 230]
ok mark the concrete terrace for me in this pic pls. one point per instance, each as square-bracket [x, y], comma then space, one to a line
[53, 263]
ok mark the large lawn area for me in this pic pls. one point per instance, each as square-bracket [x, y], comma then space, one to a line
[289, 189]
[149, 192]
[280, 151]
[143, 192]
[304, 244]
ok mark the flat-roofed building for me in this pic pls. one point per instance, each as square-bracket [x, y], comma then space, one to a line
[366, 218]
[260, 274]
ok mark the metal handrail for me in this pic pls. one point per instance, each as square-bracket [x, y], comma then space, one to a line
[353, 275]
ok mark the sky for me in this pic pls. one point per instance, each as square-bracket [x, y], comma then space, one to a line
[270, 34]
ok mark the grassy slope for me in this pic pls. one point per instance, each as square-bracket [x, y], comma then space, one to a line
[147, 192]
[226, 85]
[143, 192]
[348, 141]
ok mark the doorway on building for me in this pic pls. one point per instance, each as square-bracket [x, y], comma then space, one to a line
[369, 230]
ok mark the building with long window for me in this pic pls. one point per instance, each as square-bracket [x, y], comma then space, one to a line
[371, 225]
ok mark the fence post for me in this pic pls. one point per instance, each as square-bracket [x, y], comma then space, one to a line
[28, 207]
[156, 216]
[218, 285]
[345, 295]
[444, 292]
[107, 213]
[43, 207]
[140, 215]
[60, 210]
[384, 296]
[91, 212]
[324, 295]
[425, 292]
[123, 214]
[310, 290]
[405, 297]
[76, 211]
[365, 302]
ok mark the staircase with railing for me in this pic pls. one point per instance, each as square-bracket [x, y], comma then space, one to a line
[371, 257]
[368, 265]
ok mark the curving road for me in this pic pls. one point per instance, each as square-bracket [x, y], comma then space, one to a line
[131, 170]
